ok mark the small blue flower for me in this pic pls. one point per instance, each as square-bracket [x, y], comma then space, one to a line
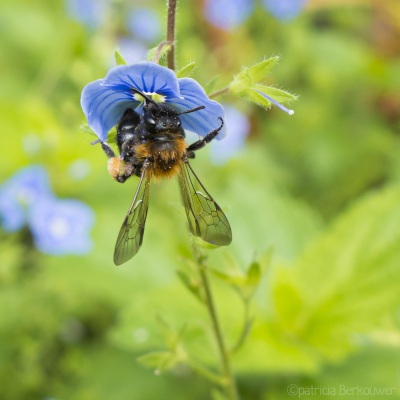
[105, 100]
[19, 193]
[61, 226]
[89, 12]
[227, 14]
[144, 24]
[284, 9]
[237, 130]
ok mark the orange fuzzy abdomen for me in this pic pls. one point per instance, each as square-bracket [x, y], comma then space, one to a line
[166, 157]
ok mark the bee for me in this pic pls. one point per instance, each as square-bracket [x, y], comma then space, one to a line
[152, 146]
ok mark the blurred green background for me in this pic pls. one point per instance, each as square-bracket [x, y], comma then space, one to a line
[320, 188]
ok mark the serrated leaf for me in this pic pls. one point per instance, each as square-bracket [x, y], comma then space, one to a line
[119, 59]
[163, 48]
[187, 70]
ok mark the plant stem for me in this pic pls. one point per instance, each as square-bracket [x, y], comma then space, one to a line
[171, 33]
[231, 390]
[219, 92]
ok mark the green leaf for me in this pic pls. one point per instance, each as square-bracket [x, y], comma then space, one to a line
[163, 48]
[187, 70]
[119, 59]
[232, 279]
[344, 287]
[191, 283]
[253, 274]
[160, 361]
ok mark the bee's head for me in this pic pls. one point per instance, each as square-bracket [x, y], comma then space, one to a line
[160, 118]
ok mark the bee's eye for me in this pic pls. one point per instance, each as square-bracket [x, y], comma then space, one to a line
[150, 121]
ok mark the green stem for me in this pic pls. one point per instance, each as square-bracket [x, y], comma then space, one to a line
[231, 390]
[219, 92]
[171, 33]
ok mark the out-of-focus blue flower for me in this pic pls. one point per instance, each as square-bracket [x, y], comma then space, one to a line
[227, 14]
[144, 24]
[61, 226]
[17, 195]
[89, 12]
[105, 100]
[237, 130]
[132, 50]
[284, 9]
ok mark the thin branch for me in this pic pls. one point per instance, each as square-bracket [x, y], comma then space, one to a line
[219, 92]
[231, 390]
[171, 33]
[159, 50]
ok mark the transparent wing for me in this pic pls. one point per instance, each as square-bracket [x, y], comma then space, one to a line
[130, 236]
[204, 215]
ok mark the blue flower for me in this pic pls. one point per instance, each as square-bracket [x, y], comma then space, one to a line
[19, 193]
[105, 100]
[89, 12]
[284, 9]
[227, 14]
[237, 130]
[61, 226]
[144, 24]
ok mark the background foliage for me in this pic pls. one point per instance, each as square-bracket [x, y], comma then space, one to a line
[319, 189]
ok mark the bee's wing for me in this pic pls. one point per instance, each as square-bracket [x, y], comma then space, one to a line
[130, 236]
[204, 215]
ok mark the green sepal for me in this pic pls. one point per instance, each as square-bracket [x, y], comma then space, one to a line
[119, 59]
[165, 48]
[252, 94]
[279, 95]
[249, 76]
[112, 133]
[187, 70]
[259, 71]
[87, 129]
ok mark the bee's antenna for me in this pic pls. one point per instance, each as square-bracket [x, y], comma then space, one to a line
[147, 98]
[191, 110]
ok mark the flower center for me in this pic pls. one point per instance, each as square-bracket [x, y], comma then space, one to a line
[158, 98]
[58, 227]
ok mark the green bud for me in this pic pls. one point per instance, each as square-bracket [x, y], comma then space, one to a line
[119, 60]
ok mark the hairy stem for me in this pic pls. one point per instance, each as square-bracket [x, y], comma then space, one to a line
[171, 33]
[231, 390]
[219, 92]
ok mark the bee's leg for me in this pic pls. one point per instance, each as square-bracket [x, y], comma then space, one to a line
[207, 139]
[107, 150]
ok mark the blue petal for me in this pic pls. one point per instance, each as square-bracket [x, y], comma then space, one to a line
[105, 100]
[203, 121]
[103, 106]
